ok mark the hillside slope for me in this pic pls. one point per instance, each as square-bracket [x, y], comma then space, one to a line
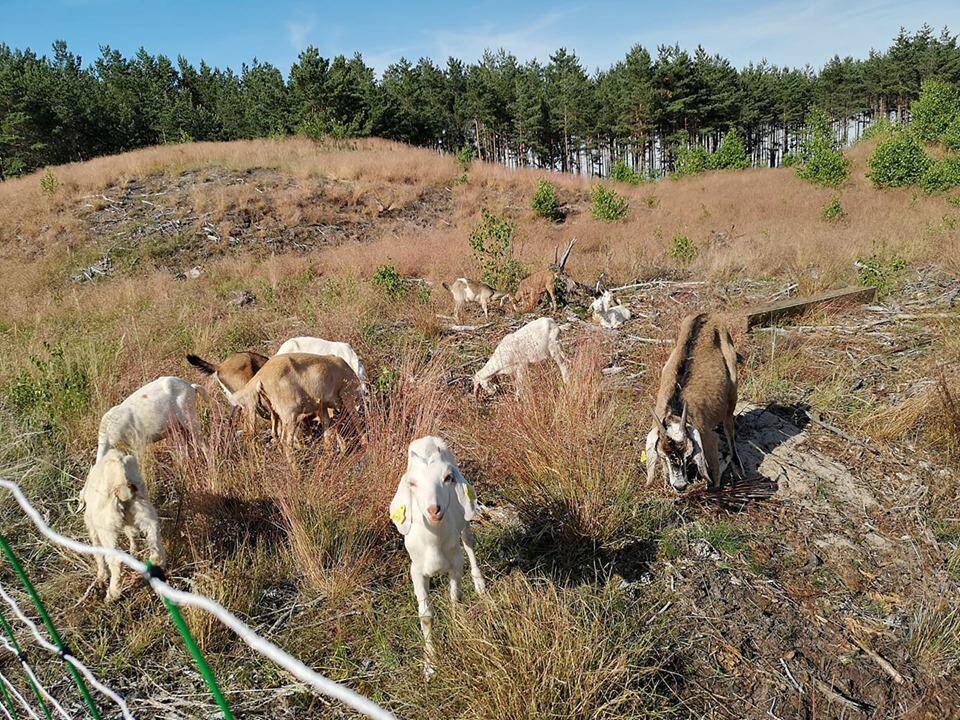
[608, 598]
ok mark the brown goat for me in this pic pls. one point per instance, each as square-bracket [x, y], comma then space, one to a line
[532, 288]
[233, 373]
[698, 392]
[298, 387]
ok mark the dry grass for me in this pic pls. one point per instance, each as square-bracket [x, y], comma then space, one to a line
[305, 552]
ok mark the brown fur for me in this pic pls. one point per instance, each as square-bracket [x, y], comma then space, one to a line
[532, 288]
[299, 387]
[701, 376]
[235, 371]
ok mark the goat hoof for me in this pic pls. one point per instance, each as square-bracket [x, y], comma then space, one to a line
[428, 670]
[480, 586]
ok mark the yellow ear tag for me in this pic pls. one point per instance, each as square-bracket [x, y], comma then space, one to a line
[399, 514]
[468, 491]
[643, 456]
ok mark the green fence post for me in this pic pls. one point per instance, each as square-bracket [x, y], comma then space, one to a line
[8, 631]
[192, 648]
[48, 623]
[8, 701]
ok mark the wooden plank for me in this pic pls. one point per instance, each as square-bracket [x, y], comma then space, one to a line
[766, 314]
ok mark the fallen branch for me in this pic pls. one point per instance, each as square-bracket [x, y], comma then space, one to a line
[873, 655]
[837, 696]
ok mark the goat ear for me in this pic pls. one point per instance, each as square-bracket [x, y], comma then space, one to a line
[466, 496]
[698, 454]
[401, 507]
[651, 454]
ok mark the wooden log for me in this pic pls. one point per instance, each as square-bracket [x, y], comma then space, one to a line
[765, 314]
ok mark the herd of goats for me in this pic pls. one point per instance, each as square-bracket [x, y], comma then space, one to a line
[311, 380]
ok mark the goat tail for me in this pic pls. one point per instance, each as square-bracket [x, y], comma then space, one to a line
[207, 368]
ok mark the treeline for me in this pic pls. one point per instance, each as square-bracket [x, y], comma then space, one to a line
[55, 109]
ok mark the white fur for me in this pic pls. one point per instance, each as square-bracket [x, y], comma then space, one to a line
[116, 503]
[677, 478]
[149, 414]
[432, 509]
[535, 342]
[608, 312]
[319, 346]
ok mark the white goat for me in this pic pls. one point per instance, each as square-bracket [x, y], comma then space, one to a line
[432, 509]
[150, 414]
[465, 290]
[116, 503]
[608, 312]
[319, 346]
[535, 342]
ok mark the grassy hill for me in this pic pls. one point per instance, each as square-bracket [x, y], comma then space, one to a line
[608, 598]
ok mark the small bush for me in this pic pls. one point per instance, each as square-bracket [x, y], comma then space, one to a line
[880, 126]
[881, 270]
[53, 390]
[49, 184]
[731, 155]
[492, 245]
[465, 157]
[545, 203]
[820, 160]
[898, 161]
[790, 159]
[943, 174]
[621, 172]
[608, 205]
[690, 160]
[682, 250]
[833, 210]
[951, 138]
[932, 113]
[389, 282]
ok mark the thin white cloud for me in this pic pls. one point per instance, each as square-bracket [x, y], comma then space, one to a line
[298, 32]
[536, 40]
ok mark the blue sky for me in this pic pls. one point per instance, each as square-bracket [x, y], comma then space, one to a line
[228, 33]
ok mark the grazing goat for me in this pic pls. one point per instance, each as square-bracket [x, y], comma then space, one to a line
[608, 312]
[116, 503]
[533, 343]
[233, 373]
[432, 509]
[465, 290]
[319, 346]
[532, 288]
[698, 392]
[296, 387]
[149, 415]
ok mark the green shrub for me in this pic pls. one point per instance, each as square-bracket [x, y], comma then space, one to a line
[682, 250]
[48, 183]
[880, 126]
[545, 203]
[389, 282]
[820, 160]
[951, 137]
[833, 210]
[731, 155]
[52, 390]
[621, 172]
[690, 160]
[898, 161]
[465, 157]
[608, 205]
[881, 270]
[933, 111]
[790, 159]
[943, 174]
[492, 245]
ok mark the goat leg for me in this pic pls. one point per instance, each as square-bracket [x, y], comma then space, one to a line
[421, 588]
[478, 583]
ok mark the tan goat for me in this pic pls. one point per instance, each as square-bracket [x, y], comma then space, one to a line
[698, 392]
[465, 290]
[298, 387]
[233, 373]
[532, 288]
